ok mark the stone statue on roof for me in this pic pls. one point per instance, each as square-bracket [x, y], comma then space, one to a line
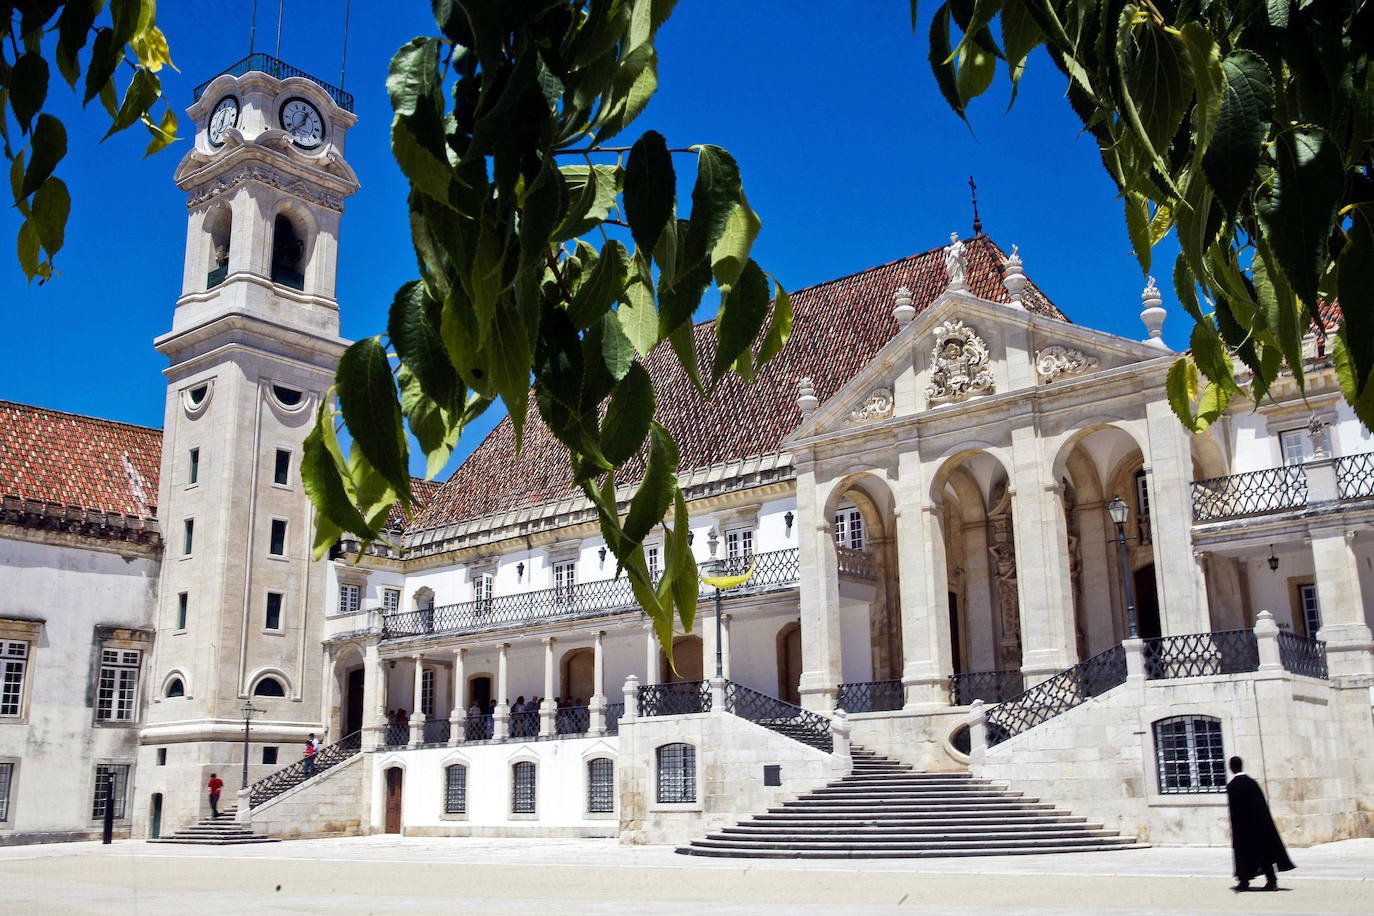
[956, 263]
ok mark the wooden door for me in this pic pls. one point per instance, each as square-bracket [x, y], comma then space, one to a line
[393, 800]
[155, 830]
[791, 666]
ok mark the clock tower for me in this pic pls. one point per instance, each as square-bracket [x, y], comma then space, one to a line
[252, 351]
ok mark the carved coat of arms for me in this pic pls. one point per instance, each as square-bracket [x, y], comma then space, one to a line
[959, 364]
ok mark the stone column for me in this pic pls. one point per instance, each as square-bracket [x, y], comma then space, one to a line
[417, 715]
[457, 716]
[706, 626]
[980, 600]
[725, 643]
[1267, 642]
[596, 710]
[548, 709]
[650, 655]
[1349, 646]
[1135, 660]
[374, 697]
[1100, 599]
[1169, 459]
[926, 652]
[502, 717]
[818, 596]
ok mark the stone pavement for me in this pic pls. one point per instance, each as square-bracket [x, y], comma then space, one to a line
[383, 874]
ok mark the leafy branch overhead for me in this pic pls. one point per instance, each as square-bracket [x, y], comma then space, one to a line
[546, 255]
[1244, 126]
[88, 49]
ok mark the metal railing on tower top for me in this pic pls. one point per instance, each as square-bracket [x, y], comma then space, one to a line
[280, 69]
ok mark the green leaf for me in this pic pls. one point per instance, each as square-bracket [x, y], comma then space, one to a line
[49, 146]
[1299, 212]
[634, 84]
[1355, 291]
[1181, 386]
[323, 483]
[976, 68]
[628, 416]
[510, 367]
[51, 205]
[742, 313]
[1020, 36]
[650, 189]
[28, 248]
[1277, 11]
[413, 332]
[367, 395]
[432, 423]
[638, 316]
[73, 27]
[163, 134]
[592, 192]
[28, 86]
[679, 560]
[655, 493]
[1160, 83]
[144, 89]
[715, 196]
[731, 251]
[779, 331]
[940, 63]
[602, 287]
[417, 130]
[105, 57]
[1243, 122]
[1138, 227]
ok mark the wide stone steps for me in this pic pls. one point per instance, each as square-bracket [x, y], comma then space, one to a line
[220, 831]
[884, 809]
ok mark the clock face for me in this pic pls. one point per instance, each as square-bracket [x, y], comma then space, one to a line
[303, 122]
[225, 116]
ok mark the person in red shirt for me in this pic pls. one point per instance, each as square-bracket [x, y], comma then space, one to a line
[214, 785]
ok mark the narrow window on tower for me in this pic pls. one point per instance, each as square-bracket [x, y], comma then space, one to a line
[183, 601]
[188, 541]
[281, 472]
[193, 472]
[277, 547]
[273, 621]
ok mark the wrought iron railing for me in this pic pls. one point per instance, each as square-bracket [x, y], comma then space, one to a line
[331, 755]
[396, 734]
[1252, 493]
[572, 720]
[870, 696]
[773, 571]
[1201, 654]
[856, 564]
[792, 721]
[1355, 476]
[680, 698]
[477, 728]
[1067, 689]
[613, 713]
[988, 686]
[436, 731]
[523, 724]
[1302, 655]
[281, 70]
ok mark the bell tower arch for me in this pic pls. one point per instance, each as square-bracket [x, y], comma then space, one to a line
[252, 351]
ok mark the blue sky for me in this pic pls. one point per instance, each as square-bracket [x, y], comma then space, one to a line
[848, 153]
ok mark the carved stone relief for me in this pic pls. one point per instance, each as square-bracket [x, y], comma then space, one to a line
[876, 406]
[1003, 550]
[959, 364]
[1052, 362]
[270, 177]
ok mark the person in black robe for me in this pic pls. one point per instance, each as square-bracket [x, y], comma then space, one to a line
[1254, 838]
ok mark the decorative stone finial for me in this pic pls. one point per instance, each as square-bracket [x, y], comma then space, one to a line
[904, 311]
[807, 402]
[956, 263]
[1014, 277]
[1152, 313]
[1316, 431]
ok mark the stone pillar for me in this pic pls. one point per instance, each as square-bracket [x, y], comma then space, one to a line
[630, 693]
[596, 709]
[1267, 642]
[1135, 660]
[977, 735]
[457, 716]
[1169, 460]
[1101, 601]
[725, 643]
[502, 716]
[374, 697]
[926, 653]
[417, 715]
[706, 626]
[980, 601]
[548, 709]
[1349, 645]
[819, 596]
[841, 761]
[650, 655]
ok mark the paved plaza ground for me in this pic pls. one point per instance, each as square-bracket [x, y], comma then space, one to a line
[388, 874]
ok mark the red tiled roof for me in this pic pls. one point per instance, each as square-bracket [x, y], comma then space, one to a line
[84, 462]
[424, 491]
[838, 327]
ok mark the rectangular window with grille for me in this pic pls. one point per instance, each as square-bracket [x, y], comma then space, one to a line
[849, 529]
[117, 693]
[273, 617]
[193, 472]
[1311, 610]
[183, 602]
[281, 470]
[677, 773]
[456, 789]
[739, 543]
[6, 781]
[14, 663]
[564, 578]
[601, 785]
[391, 600]
[1142, 506]
[103, 771]
[348, 598]
[277, 544]
[427, 692]
[481, 589]
[1189, 755]
[651, 557]
[522, 788]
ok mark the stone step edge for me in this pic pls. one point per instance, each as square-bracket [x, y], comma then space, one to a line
[891, 854]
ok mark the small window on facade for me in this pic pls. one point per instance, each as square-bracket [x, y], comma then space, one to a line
[189, 537]
[427, 692]
[522, 788]
[739, 549]
[162, 756]
[269, 755]
[281, 472]
[6, 781]
[1296, 444]
[103, 772]
[601, 785]
[273, 618]
[456, 789]
[269, 687]
[481, 590]
[849, 528]
[1142, 505]
[193, 471]
[1189, 756]
[288, 396]
[277, 546]
[348, 598]
[677, 773]
[14, 662]
[651, 555]
[564, 580]
[391, 600]
[1310, 609]
[198, 394]
[117, 693]
[176, 688]
[183, 601]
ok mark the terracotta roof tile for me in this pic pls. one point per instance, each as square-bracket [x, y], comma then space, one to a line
[424, 491]
[77, 461]
[838, 327]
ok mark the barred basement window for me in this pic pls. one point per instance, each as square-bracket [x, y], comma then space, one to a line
[117, 694]
[103, 771]
[14, 663]
[1189, 755]
[677, 773]
[522, 788]
[6, 780]
[456, 789]
[601, 785]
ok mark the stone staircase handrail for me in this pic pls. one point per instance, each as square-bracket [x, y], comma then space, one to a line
[1060, 693]
[799, 724]
[291, 775]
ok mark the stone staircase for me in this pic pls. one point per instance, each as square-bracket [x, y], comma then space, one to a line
[884, 809]
[217, 831]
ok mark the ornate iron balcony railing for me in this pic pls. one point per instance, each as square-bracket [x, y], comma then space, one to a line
[1252, 493]
[1355, 476]
[791, 721]
[436, 731]
[613, 713]
[870, 696]
[477, 728]
[680, 698]
[857, 564]
[1302, 655]
[773, 571]
[1067, 689]
[988, 686]
[1201, 654]
[288, 777]
[281, 70]
[572, 720]
[397, 734]
[524, 724]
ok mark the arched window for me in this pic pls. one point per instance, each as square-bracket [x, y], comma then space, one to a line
[1189, 756]
[1142, 505]
[269, 687]
[456, 789]
[219, 223]
[601, 785]
[522, 788]
[176, 688]
[677, 773]
[288, 253]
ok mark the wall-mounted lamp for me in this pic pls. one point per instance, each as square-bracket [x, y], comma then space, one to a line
[602, 554]
[1273, 560]
[391, 663]
[788, 519]
[519, 571]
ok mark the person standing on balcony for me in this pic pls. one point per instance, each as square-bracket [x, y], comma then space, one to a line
[1254, 838]
[214, 785]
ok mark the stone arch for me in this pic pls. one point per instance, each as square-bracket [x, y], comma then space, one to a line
[257, 678]
[350, 673]
[178, 676]
[577, 669]
[294, 231]
[219, 236]
[873, 497]
[788, 642]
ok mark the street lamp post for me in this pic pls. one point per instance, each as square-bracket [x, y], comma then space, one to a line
[249, 710]
[717, 568]
[1118, 511]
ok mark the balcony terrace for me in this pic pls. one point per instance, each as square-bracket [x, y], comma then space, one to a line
[1284, 489]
